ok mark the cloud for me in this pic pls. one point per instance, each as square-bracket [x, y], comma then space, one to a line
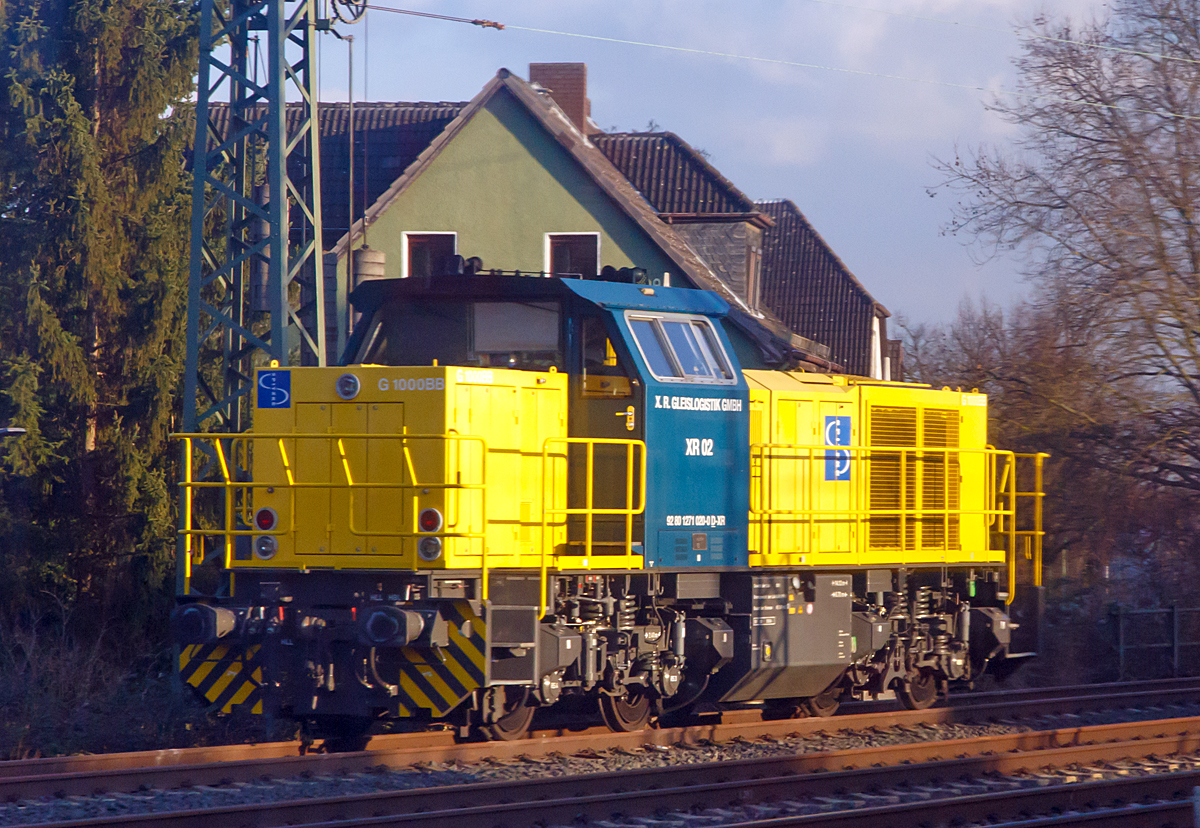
[788, 142]
[852, 149]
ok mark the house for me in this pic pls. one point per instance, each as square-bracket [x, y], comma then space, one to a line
[767, 251]
[513, 181]
[523, 179]
[717, 220]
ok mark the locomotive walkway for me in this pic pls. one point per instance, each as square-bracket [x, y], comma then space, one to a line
[948, 775]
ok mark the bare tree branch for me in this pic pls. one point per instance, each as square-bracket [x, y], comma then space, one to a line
[1099, 197]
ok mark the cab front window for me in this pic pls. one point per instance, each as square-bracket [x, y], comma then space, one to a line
[522, 335]
[653, 347]
[679, 348]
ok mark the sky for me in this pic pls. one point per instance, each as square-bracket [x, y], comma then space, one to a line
[853, 149]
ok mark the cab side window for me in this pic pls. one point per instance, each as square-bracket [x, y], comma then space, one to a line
[603, 375]
[654, 347]
[681, 349]
[693, 360]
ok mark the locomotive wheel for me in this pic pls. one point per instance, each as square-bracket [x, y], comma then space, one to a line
[627, 713]
[514, 724]
[825, 704]
[776, 709]
[919, 692]
[342, 734]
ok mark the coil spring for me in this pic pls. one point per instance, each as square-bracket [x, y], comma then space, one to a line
[921, 602]
[626, 613]
[589, 611]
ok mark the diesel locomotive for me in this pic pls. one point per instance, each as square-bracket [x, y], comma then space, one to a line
[521, 492]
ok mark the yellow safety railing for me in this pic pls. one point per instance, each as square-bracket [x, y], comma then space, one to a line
[1031, 538]
[999, 509]
[635, 482]
[238, 505]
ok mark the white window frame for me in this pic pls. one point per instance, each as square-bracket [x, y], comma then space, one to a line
[546, 264]
[404, 245]
[714, 339]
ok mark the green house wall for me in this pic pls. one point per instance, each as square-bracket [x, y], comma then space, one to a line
[501, 184]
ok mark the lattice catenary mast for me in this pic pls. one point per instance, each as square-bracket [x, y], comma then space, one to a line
[257, 293]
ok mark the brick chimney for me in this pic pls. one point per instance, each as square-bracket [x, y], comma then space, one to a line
[567, 85]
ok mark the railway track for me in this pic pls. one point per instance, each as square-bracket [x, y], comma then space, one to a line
[127, 772]
[955, 782]
[189, 769]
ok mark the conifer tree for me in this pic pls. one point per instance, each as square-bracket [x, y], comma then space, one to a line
[94, 204]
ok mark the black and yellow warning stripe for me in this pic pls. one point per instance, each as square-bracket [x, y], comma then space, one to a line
[225, 677]
[435, 680]
[439, 680]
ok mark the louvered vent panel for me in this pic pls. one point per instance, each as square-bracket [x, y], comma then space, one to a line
[940, 480]
[892, 426]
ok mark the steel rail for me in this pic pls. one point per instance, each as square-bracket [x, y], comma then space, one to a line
[1121, 692]
[1111, 802]
[562, 800]
[65, 776]
[1151, 815]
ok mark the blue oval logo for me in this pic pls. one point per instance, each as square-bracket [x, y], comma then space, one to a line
[274, 389]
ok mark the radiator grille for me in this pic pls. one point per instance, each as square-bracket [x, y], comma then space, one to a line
[920, 483]
[892, 484]
[940, 480]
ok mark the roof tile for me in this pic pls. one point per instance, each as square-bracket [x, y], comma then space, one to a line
[673, 177]
[388, 137]
[812, 290]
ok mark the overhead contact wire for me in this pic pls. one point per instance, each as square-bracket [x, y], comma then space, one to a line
[486, 24]
[798, 64]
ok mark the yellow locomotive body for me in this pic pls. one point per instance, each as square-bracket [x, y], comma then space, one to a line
[919, 474]
[464, 441]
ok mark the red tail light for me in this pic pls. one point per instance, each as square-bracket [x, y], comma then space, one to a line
[265, 519]
[430, 520]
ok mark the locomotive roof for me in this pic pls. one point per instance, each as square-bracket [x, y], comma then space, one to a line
[534, 287]
[609, 295]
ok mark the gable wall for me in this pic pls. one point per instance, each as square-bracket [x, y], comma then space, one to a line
[503, 182]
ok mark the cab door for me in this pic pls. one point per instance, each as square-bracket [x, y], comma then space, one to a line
[607, 401]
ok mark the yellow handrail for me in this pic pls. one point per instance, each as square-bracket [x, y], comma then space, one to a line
[999, 506]
[229, 485]
[410, 466]
[187, 518]
[1038, 533]
[416, 532]
[814, 454]
[635, 464]
[1010, 474]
